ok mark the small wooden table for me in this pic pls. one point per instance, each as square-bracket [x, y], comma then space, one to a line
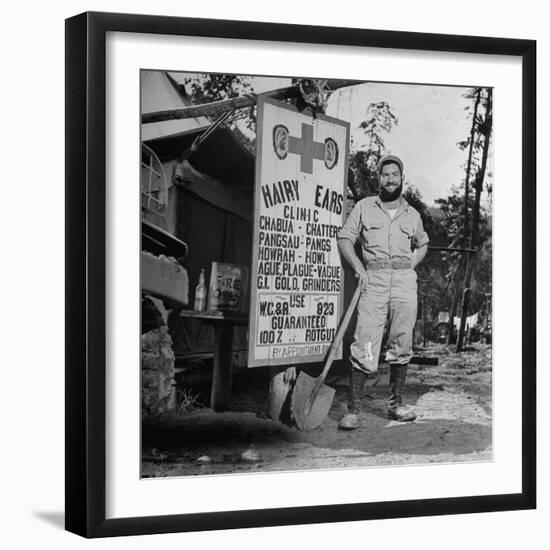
[223, 322]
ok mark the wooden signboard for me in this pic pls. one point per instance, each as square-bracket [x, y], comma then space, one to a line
[296, 277]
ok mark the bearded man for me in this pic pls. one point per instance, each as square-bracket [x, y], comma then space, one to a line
[393, 242]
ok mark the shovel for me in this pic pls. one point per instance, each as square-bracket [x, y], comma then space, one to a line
[311, 398]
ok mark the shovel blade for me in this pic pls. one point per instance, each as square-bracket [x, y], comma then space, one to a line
[310, 415]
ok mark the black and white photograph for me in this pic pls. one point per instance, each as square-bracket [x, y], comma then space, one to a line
[316, 273]
[275, 275]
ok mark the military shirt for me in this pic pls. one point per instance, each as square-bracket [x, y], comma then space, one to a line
[383, 237]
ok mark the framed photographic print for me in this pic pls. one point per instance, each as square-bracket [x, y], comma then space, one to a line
[282, 246]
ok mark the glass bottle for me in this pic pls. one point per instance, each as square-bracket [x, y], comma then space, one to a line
[200, 293]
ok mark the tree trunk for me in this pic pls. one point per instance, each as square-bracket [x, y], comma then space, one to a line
[469, 166]
[480, 176]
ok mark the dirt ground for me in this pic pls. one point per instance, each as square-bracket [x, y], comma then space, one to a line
[453, 402]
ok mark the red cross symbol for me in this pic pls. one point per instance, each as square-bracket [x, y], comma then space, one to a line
[306, 148]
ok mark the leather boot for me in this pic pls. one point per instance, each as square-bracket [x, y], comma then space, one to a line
[356, 382]
[397, 411]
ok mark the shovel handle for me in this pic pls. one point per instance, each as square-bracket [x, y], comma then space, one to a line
[336, 342]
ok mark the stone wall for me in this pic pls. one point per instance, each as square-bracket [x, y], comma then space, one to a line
[158, 394]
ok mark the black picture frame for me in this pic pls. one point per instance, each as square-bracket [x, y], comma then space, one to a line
[86, 273]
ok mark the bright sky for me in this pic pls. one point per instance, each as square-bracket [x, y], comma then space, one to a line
[431, 122]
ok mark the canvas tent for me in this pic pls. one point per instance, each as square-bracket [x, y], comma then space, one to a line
[209, 207]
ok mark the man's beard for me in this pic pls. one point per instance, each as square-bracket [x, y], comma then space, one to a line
[388, 196]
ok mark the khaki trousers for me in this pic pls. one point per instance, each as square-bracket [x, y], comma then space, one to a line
[391, 293]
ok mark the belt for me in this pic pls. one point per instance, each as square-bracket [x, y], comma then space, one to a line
[389, 264]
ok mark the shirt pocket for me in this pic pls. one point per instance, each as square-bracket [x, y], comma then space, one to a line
[405, 237]
[376, 234]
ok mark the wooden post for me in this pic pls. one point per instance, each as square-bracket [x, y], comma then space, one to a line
[454, 305]
[223, 366]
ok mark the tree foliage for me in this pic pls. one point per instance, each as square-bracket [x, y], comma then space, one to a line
[448, 232]
[207, 88]
[362, 178]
